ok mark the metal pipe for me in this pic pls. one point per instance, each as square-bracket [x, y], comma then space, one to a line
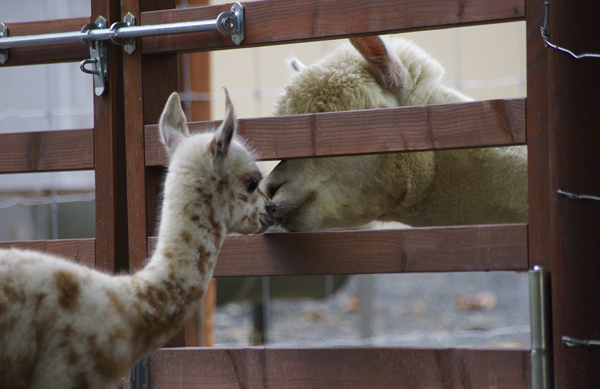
[166, 29]
[101, 34]
[542, 375]
[41, 39]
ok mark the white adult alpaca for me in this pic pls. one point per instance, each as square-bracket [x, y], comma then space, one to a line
[419, 188]
[66, 326]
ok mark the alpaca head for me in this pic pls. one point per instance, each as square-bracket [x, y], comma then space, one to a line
[214, 170]
[313, 194]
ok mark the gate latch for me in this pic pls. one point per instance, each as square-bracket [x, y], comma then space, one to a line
[98, 57]
[96, 37]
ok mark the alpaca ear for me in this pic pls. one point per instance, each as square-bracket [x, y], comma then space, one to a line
[296, 65]
[387, 68]
[223, 136]
[172, 125]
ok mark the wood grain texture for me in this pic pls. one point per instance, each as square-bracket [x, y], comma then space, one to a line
[109, 157]
[538, 119]
[338, 368]
[81, 251]
[46, 151]
[275, 22]
[573, 163]
[134, 141]
[435, 127]
[42, 54]
[433, 249]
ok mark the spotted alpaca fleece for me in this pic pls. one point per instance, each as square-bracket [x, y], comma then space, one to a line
[64, 326]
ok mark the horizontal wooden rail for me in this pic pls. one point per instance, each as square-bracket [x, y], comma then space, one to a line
[81, 251]
[339, 368]
[42, 54]
[46, 151]
[275, 22]
[433, 249]
[434, 127]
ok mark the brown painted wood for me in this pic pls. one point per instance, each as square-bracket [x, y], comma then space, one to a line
[431, 249]
[159, 81]
[537, 138]
[200, 74]
[134, 138]
[274, 22]
[339, 368]
[574, 166]
[41, 54]
[437, 127]
[46, 151]
[109, 161]
[81, 251]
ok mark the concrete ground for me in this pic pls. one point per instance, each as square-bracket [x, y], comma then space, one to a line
[409, 310]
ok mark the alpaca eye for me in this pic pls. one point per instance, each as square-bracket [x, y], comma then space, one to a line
[252, 185]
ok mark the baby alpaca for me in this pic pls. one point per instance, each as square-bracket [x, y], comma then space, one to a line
[66, 326]
[472, 186]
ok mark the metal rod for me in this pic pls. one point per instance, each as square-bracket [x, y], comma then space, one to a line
[41, 39]
[542, 375]
[166, 29]
[102, 34]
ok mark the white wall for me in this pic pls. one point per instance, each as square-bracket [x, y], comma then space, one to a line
[45, 97]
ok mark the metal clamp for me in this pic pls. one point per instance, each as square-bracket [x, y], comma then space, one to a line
[3, 52]
[98, 57]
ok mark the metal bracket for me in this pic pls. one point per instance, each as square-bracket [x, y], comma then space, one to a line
[3, 52]
[232, 23]
[98, 57]
[128, 43]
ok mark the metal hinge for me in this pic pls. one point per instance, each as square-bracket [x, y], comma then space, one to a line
[541, 329]
[95, 36]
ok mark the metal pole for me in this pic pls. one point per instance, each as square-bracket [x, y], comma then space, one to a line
[106, 34]
[41, 39]
[227, 23]
[542, 375]
[166, 29]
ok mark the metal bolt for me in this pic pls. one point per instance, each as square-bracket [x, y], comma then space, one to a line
[228, 23]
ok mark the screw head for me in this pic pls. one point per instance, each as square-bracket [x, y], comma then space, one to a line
[228, 23]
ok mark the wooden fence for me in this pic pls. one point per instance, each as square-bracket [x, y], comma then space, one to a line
[125, 153]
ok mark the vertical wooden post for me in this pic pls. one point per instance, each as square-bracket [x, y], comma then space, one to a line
[537, 138]
[574, 165]
[109, 157]
[148, 83]
[134, 133]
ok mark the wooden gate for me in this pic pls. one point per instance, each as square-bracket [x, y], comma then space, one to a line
[128, 159]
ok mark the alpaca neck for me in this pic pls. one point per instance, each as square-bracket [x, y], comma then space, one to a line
[174, 281]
